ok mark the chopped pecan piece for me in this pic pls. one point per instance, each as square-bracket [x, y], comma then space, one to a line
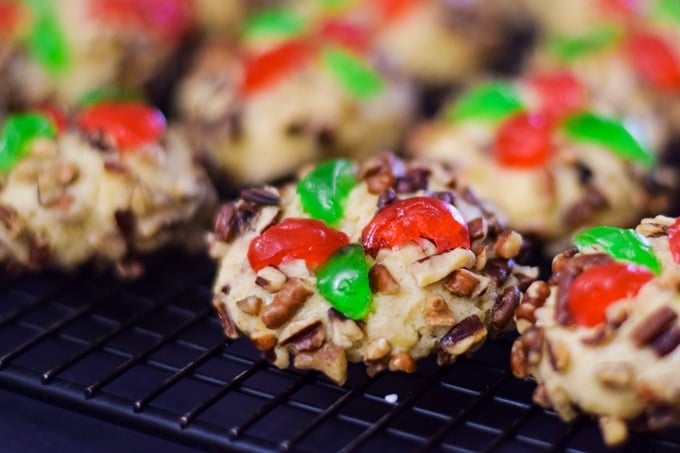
[309, 337]
[508, 244]
[615, 375]
[377, 350]
[402, 361]
[227, 323]
[504, 307]
[265, 196]
[437, 313]
[286, 303]
[462, 282]
[434, 268]
[382, 281]
[559, 355]
[478, 228]
[331, 360]
[270, 278]
[653, 325]
[465, 335]
[250, 305]
[263, 341]
[614, 430]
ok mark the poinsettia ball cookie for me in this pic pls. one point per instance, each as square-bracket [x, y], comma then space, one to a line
[628, 56]
[434, 41]
[601, 336]
[552, 167]
[63, 49]
[263, 110]
[381, 262]
[105, 186]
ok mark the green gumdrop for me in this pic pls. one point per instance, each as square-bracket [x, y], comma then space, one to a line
[360, 80]
[489, 101]
[278, 23]
[46, 41]
[621, 244]
[611, 134]
[667, 9]
[109, 94]
[324, 190]
[569, 48]
[17, 134]
[330, 5]
[343, 281]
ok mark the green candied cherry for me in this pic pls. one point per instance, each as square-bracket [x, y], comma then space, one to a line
[343, 281]
[46, 41]
[274, 23]
[357, 77]
[599, 130]
[568, 48]
[325, 189]
[622, 244]
[17, 134]
[489, 101]
[667, 9]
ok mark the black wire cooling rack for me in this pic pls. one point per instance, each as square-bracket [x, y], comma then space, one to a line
[150, 355]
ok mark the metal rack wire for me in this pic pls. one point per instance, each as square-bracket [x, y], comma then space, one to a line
[150, 355]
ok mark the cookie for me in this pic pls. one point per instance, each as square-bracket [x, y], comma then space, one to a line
[63, 50]
[106, 186]
[601, 336]
[436, 42]
[628, 55]
[382, 262]
[559, 168]
[262, 116]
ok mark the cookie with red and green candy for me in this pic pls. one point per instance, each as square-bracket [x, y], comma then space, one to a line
[601, 336]
[60, 50]
[105, 183]
[436, 42]
[382, 262]
[550, 165]
[290, 94]
[629, 58]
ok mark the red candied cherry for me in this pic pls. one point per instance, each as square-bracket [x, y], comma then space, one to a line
[654, 60]
[560, 93]
[273, 65]
[54, 113]
[307, 239]
[674, 240]
[524, 141]
[10, 16]
[413, 219]
[346, 33]
[127, 124]
[620, 8]
[168, 19]
[598, 287]
[391, 10]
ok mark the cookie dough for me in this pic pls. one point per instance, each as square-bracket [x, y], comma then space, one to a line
[552, 167]
[261, 116]
[106, 185]
[601, 336]
[382, 262]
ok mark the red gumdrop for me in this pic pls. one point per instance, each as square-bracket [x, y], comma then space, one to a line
[345, 33]
[273, 65]
[167, 19]
[654, 60]
[620, 8]
[391, 10]
[10, 15]
[54, 113]
[414, 219]
[128, 124]
[674, 240]
[560, 93]
[596, 288]
[524, 141]
[307, 239]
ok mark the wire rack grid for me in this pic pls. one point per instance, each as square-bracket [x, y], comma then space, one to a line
[150, 355]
